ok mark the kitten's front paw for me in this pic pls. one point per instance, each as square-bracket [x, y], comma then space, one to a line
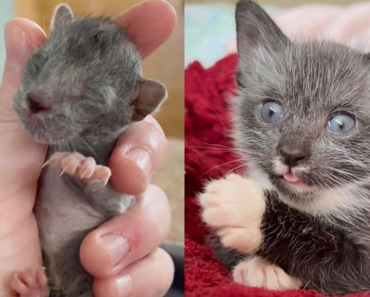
[30, 283]
[234, 207]
[255, 272]
[79, 166]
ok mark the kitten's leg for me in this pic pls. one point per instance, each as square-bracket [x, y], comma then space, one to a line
[256, 272]
[233, 207]
[93, 179]
[227, 256]
[320, 254]
[251, 270]
[324, 256]
[30, 283]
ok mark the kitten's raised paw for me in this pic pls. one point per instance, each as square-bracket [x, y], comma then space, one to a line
[255, 272]
[30, 283]
[79, 166]
[234, 207]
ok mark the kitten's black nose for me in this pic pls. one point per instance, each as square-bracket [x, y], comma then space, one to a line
[35, 104]
[292, 156]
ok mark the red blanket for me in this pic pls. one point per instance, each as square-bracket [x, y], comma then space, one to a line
[209, 155]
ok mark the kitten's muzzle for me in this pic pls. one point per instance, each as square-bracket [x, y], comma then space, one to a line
[35, 104]
[292, 157]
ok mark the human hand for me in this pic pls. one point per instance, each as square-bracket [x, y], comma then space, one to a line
[146, 225]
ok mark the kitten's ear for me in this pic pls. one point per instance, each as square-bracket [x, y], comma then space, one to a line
[62, 15]
[151, 96]
[255, 29]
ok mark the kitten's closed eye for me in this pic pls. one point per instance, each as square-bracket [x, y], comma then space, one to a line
[39, 60]
[97, 37]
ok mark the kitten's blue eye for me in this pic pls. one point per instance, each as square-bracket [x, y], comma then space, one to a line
[272, 112]
[341, 124]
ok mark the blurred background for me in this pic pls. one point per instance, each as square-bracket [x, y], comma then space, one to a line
[280, 3]
[210, 25]
[166, 65]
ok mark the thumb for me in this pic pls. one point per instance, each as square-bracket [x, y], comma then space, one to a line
[22, 37]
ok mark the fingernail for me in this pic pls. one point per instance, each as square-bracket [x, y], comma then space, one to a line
[142, 159]
[124, 285]
[117, 247]
[15, 44]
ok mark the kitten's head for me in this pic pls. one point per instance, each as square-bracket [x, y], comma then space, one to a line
[302, 114]
[84, 82]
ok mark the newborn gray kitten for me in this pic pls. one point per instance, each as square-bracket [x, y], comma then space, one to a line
[79, 92]
[302, 125]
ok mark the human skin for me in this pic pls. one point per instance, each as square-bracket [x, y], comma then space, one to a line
[21, 159]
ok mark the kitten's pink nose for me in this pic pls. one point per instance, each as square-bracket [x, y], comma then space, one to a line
[35, 104]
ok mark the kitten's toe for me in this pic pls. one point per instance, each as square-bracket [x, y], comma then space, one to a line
[87, 168]
[66, 161]
[102, 173]
[255, 272]
[30, 283]
[90, 172]
[235, 177]
[56, 159]
[71, 163]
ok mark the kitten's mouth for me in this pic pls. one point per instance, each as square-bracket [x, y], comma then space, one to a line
[293, 180]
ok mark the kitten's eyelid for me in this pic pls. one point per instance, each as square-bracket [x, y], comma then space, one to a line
[98, 35]
[342, 112]
[268, 99]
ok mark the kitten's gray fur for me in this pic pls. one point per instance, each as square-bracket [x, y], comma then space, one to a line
[88, 78]
[312, 81]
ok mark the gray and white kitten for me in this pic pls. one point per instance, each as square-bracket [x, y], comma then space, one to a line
[302, 124]
[80, 91]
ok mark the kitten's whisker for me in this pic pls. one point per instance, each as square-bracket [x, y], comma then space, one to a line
[233, 170]
[212, 148]
[89, 146]
[217, 166]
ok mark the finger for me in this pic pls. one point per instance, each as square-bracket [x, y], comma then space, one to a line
[125, 239]
[20, 164]
[149, 24]
[138, 156]
[23, 156]
[150, 277]
[22, 37]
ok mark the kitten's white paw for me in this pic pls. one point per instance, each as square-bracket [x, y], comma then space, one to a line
[234, 207]
[79, 166]
[255, 272]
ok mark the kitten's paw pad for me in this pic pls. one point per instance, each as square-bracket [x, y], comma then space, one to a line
[255, 272]
[80, 167]
[30, 283]
[234, 208]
